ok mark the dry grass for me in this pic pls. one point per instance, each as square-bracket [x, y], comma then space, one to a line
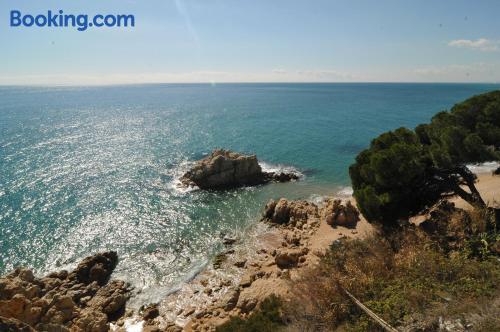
[410, 280]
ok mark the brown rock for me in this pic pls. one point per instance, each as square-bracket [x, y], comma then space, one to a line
[230, 300]
[247, 304]
[289, 212]
[336, 214]
[62, 301]
[246, 280]
[224, 169]
[14, 325]
[240, 263]
[150, 312]
[289, 258]
[95, 268]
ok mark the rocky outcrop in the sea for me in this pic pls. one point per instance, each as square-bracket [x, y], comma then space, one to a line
[337, 214]
[224, 169]
[81, 300]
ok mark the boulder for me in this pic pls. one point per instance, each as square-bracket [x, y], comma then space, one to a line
[62, 301]
[337, 214]
[230, 300]
[246, 304]
[289, 212]
[224, 169]
[150, 312]
[14, 325]
[95, 268]
[246, 280]
[289, 258]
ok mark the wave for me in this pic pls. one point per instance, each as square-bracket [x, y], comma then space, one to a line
[176, 174]
[486, 167]
[346, 192]
[278, 168]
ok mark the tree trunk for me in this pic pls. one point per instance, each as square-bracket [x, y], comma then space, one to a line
[473, 198]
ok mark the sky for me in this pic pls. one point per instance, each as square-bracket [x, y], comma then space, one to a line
[256, 41]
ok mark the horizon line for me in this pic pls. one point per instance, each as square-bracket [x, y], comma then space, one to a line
[242, 83]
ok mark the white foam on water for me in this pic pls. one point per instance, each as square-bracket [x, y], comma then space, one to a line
[176, 185]
[486, 167]
[267, 167]
[130, 325]
[346, 192]
[317, 199]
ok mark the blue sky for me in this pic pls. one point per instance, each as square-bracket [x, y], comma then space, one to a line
[257, 41]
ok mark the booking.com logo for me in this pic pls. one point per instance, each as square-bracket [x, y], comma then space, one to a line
[82, 21]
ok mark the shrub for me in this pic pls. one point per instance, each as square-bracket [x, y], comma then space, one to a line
[268, 318]
[411, 283]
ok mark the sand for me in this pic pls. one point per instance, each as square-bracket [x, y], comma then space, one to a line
[488, 186]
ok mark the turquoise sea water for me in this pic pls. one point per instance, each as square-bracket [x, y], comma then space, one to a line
[90, 169]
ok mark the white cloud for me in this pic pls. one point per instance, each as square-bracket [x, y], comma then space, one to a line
[481, 44]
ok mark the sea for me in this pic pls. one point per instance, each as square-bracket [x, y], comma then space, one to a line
[90, 169]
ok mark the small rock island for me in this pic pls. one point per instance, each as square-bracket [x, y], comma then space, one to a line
[224, 169]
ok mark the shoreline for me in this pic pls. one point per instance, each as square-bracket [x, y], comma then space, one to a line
[249, 270]
[236, 282]
[211, 287]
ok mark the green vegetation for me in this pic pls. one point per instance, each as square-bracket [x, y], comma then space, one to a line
[410, 280]
[268, 318]
[405, 171]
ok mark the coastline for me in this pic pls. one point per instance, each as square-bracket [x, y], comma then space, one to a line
[248, 273]
[199, 304]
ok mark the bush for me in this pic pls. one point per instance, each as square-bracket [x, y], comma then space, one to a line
[268, 318]
[416, 282]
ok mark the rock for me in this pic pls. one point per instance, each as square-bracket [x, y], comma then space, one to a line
[227, 241]
[289, 212]
[240, 263]
[230, 300]
[62, 301]
[224, 169]
[14, 325]
[246, 304]
[150, 312]
[284, 177]
[246, 280]
[95, 268]
[269, 209]
[189, 311]
[172, 327]
[289, 258]
[336, 214]
[219, 259]
[496, 171]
